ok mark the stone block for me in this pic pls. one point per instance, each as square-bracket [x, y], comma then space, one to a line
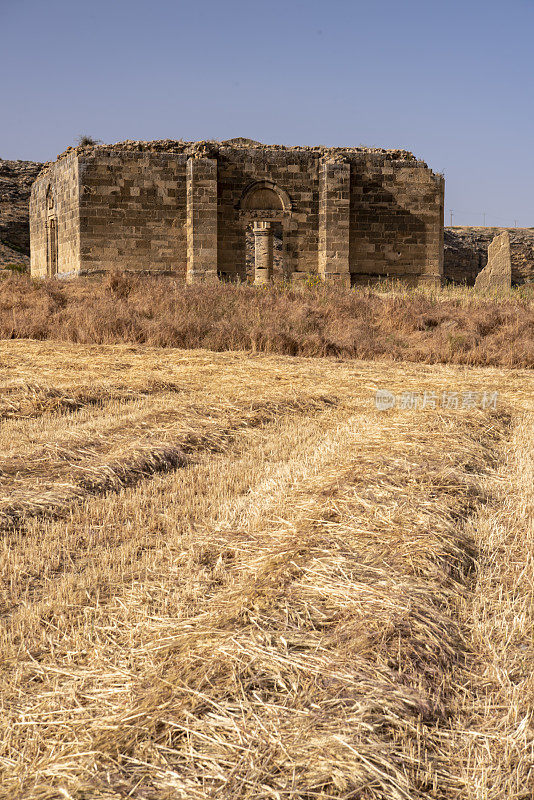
[497, 274]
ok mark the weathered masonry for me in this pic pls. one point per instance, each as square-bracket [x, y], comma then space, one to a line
[238, 210]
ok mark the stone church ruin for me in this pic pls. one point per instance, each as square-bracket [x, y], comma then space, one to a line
[238, 210]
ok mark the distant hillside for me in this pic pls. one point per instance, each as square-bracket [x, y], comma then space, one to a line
[466, 253]
[10, 258]
[16, 178]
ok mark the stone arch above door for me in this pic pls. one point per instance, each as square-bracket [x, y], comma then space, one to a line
[264, 196]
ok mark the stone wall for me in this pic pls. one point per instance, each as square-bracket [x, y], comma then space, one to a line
[351, 215]
[132, 211]
[55, 201]
[334, 221]
[201, 220]
[396, 225]
[466, 253]
[243, 172]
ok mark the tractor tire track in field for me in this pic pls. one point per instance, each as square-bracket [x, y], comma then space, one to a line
[31, 401]
[141, 462]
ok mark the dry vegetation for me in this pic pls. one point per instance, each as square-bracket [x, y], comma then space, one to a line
[228, 575]
[452, 326]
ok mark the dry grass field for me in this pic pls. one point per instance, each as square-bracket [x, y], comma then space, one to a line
[450, 326]
[229, 575]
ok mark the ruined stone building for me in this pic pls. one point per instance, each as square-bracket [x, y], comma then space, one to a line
[222, 210]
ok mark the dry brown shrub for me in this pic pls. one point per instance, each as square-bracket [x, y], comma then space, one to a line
[118, 283]
[318, 321]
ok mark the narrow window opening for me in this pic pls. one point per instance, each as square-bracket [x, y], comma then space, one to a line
[52, 247]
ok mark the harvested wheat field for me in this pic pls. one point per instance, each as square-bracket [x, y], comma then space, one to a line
[229, 575]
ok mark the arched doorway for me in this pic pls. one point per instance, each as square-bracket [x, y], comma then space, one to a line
[265, 211]
[277, 265]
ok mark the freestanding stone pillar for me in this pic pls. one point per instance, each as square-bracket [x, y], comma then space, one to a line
[263, 252]
[201, 220]
[497, 274]
[334, 210]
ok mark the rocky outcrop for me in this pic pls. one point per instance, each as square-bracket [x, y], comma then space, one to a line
[16, 178]
[466, 253]
[13, 259]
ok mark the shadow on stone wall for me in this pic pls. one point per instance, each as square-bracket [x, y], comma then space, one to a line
[386, 240]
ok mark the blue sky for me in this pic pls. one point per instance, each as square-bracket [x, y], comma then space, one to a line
[452, 82]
